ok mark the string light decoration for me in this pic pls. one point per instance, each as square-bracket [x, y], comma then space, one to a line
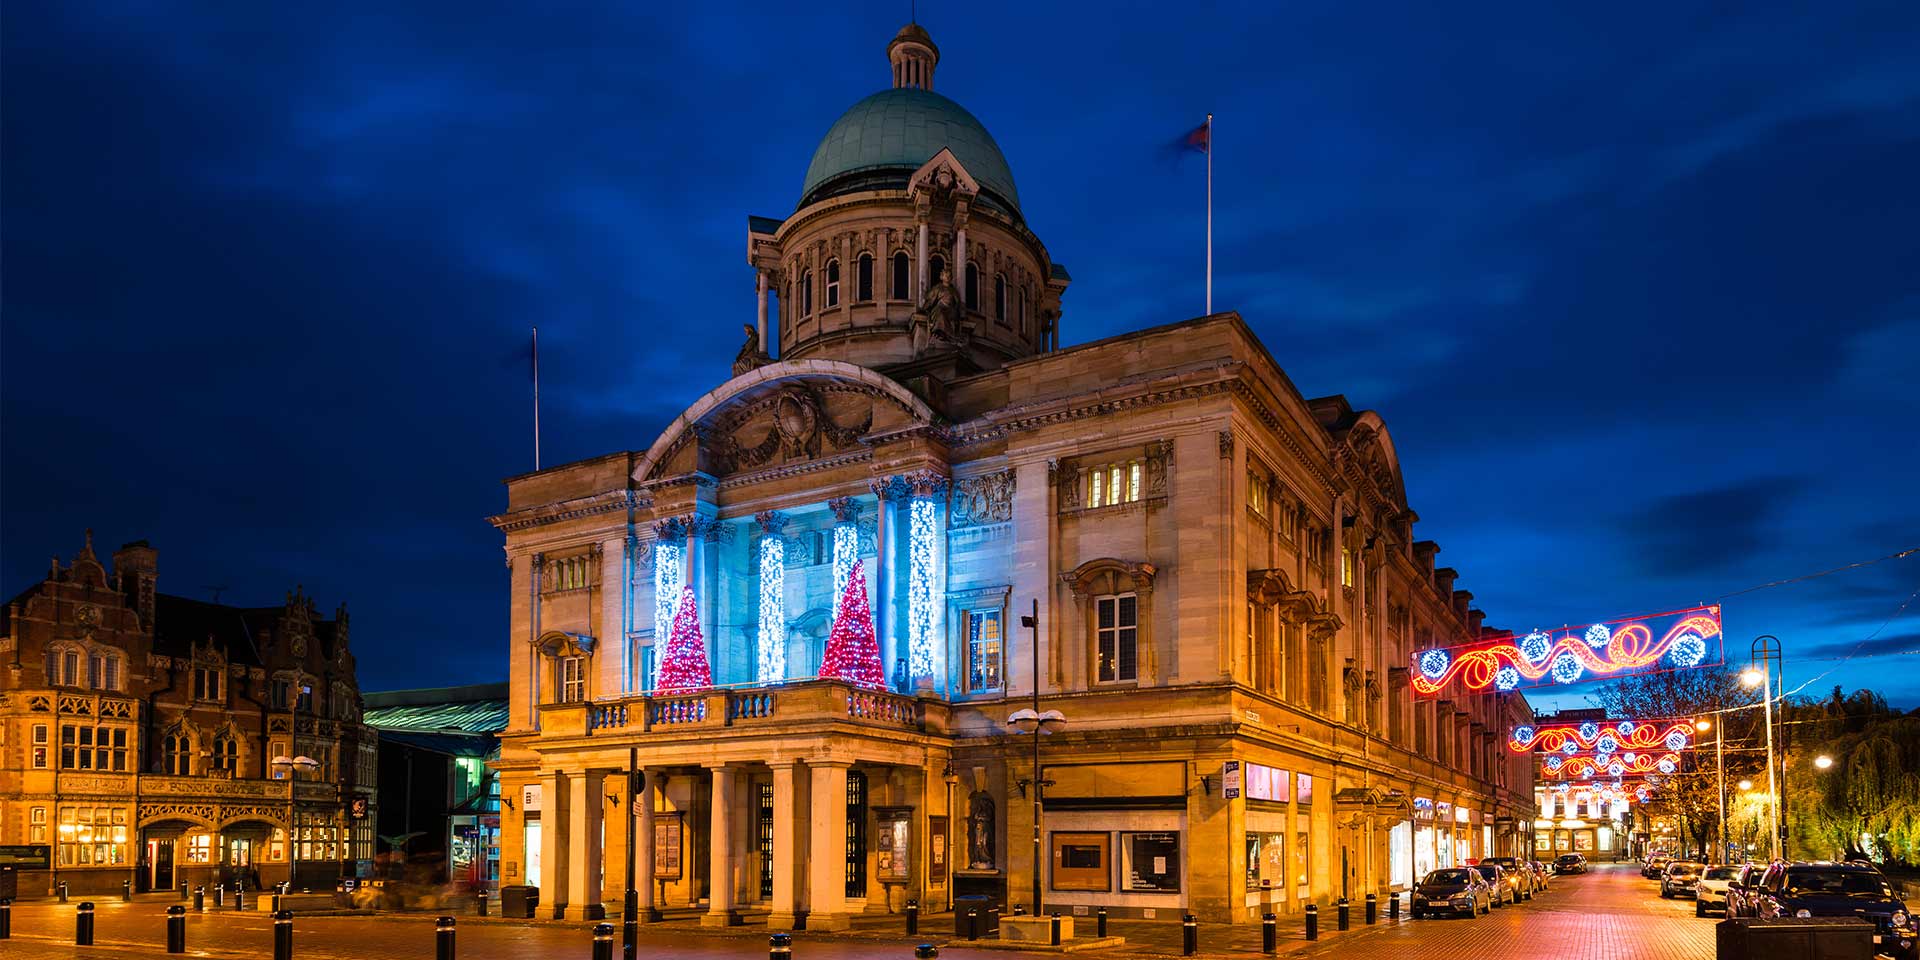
[920, 588]
[852, 653]
[667, 574]
[1625, 765]
[846, 550]
[684, 664]
[1574, 738]
[771, 649]
[1573, 654]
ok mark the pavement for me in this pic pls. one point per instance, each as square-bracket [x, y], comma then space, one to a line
[1608, 914]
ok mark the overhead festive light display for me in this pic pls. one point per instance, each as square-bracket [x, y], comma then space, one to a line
[1557, 767]
[1668, 641]
[1572, 738]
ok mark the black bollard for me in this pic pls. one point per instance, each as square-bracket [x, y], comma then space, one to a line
[480, 904]
[199, 898]
[6, 919]
[1100, 922]
[1189, 935]
[1019, 909]
[63, 891]
[1345, 911]
[176, 929]
[1373, 909]
[1269, 934]
[1053, 923]
[993, 919]
[973, 923]
[219, 894]
[283, 935]
[185, 894]
[1393, 906]
[239, 898]
[126, 891]
[1313, 922]
[926, 950]
[443, 939]
[83, 925]
[603, 941]
[780, 946]
[913, 917]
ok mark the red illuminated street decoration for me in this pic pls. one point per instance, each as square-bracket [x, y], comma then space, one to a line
[683, 666]
[1636, 645]
[1629, 764]
[1602, 737]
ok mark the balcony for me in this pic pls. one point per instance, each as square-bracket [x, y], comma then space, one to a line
[789, 705]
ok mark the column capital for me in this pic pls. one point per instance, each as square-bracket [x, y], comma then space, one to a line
[829, 764]
[845, 509]
[771, 521]
[888, 489]
[926, 483]
[670, 530]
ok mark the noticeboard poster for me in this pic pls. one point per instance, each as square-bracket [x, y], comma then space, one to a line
[667, 839]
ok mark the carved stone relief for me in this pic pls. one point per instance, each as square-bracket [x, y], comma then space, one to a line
[982, 500]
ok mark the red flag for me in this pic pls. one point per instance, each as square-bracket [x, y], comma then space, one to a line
[1199, 138]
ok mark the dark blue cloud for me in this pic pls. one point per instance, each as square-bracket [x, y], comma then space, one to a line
[1609, 276]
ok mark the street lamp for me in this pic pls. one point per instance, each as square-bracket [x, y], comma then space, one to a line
[1031, 720]
[1823, 761]
[1720, 770]
[1745, 785]
[290, 765]
[1766, 650]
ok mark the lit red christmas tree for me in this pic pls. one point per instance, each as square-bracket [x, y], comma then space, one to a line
[683, 665]
[852, 653]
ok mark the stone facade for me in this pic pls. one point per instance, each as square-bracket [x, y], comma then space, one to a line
[1222, 579]
[140, 732]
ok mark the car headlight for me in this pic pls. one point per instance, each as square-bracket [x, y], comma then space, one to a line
[1803, 913]
[1462, 898]
[1899, 919]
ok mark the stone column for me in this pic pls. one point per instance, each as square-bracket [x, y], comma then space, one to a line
[786, 848]
[760, 293]
[960, 261]
[885, 490]
[643, 804]
[827, 842]
[720, 849]
[585, 803]
[920, 265]
[553, 841]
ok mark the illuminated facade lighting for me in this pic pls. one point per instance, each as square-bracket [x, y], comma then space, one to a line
[1572, 654]
[846, 549]
[771, 648]
[920, 591]
[667, 576]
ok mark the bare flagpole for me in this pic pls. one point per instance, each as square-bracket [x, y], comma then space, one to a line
[536, 398]
[1209, 213]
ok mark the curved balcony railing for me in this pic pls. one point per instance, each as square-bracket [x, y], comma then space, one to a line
[797, 701]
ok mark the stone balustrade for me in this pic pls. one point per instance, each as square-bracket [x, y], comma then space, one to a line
[796, 702]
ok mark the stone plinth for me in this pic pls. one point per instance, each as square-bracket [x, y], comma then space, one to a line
[1034, 929]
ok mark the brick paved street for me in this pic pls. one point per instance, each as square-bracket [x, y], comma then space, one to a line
[1609, 914]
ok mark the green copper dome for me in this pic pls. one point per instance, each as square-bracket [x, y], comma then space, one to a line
[881, 140]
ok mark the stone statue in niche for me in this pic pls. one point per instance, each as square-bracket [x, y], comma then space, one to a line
[750, 355]
[938, 323]
[980, 825]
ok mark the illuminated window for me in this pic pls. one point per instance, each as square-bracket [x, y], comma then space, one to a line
[833, 283]
[920, 588]
[1113, 484]
[863, 279]
[1150, 862]
[572, 679]
[1346, 566]
[1117, 637]
[40, 746]
[902, 270]
[983, 650]
[37, 825]
[1257, 493]
[176, 755]
[92, 836]
[1000, 297]
[772, 647]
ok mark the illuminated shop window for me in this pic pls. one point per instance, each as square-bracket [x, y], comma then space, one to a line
[1113, 484]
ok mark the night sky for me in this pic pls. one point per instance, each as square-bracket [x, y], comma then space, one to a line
[1637, 292]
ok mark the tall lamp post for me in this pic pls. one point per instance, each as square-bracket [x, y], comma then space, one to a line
[1720, 767]
[1031, 720]
[291, 765]
[1766, 652]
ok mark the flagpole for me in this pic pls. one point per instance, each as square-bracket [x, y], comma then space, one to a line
[536, 398]
[1209, 214]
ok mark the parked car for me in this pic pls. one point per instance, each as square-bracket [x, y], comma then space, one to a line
[1544, 872]
[1655, 867]
[1570, 863]
[1455, 890]
[1520, 872]
[1740, 892]
[1502, 882]
[1679, 877]
[1711, 892]
[1821, 889]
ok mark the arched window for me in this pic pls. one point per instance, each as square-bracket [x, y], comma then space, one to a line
[176, 755]
[226, 754]
[973, 285]
[806, 293]
[863, 280]
[833, 283]
[1000, 297]
[902, 271]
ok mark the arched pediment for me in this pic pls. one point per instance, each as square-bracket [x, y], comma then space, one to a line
[1371, 450]
[559, 643]
[782, 412]
[1110, 575]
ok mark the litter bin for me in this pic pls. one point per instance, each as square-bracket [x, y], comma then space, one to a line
[1793, 938]
[519, 902]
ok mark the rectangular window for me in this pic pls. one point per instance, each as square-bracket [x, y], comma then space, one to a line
[1268, 783]
[1266, 860]
[1346, 566]
[39, 746]
[70, 669]
[1114, 483]
[983, 650]
[1305, 782]
[864, 289]
[573, 679]
[1117, 639]
[1257, 493]
[1150, 862]
[1080, 861]
[206, 683]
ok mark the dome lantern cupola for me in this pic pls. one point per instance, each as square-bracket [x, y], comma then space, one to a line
[913, 56]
